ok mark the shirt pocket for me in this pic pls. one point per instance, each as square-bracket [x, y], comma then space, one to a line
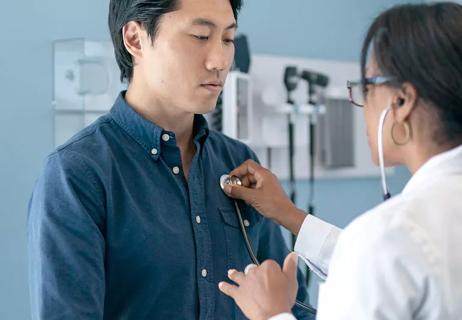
[237, 254]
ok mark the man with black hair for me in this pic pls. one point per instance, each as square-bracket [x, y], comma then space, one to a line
[127, 220]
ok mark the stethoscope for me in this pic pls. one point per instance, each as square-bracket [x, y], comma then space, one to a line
[233, 180]
[386, 193]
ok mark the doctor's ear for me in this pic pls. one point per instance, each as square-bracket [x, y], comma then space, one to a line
[400, 102]
[132, 34]
[405, 101]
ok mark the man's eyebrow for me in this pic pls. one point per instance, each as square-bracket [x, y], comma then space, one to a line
[211, 24]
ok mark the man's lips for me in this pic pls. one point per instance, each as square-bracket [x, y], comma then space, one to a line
[213, 86]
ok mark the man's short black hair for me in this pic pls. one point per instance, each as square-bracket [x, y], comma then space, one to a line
[148, 13]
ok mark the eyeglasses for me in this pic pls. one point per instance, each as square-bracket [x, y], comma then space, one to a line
[357, 90]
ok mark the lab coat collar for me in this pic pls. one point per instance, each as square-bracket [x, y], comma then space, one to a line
[448, 162]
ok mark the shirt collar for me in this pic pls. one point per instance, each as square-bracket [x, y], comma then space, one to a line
[448, 162]
[146, 133]
[200, 128]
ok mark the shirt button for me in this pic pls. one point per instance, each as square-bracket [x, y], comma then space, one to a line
[246, 223]
[204, 273]
[198, 219]
[176, 170]
[165, 137]
[154, 151]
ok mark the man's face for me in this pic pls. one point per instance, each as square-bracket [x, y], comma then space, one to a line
[187, 63]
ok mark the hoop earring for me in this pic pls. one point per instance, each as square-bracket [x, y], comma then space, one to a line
[407, 129]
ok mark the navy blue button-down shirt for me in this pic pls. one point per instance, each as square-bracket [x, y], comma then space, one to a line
[117, 232]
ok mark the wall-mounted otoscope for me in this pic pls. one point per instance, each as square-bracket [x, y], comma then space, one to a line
[315, 81]
[291, 79]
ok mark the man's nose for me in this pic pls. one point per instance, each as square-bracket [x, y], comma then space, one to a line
[218, 59]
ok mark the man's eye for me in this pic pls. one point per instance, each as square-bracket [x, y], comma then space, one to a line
[229, 41]
[202, 38]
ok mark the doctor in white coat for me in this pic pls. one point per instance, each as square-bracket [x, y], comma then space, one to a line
[402, 259]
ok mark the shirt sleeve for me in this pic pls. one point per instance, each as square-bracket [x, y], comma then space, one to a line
[65, 242]
[376, 272]
[315, 244]
[283, 316]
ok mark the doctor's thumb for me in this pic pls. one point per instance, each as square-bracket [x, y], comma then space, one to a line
[290, 266]
[241, 193]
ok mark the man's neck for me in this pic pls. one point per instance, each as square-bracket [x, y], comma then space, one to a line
[165, 116]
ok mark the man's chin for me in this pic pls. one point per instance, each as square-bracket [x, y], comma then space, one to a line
[206, 107]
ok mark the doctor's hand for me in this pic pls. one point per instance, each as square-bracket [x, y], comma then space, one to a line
[262, 190]
[264, 291]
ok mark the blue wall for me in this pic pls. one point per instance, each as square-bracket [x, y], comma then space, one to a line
[318, 29]
[29, 27]
[330, 29]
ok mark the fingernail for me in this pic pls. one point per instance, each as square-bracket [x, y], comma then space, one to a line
[230, 272]
[220, 285]
[227, 189]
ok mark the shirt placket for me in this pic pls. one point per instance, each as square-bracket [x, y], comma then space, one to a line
[202, 237]
[195, 193]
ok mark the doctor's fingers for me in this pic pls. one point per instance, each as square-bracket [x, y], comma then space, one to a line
[242, 193]
[248, 168]
[290, 266]
[236, 276]
[249, 181]
[228, 289]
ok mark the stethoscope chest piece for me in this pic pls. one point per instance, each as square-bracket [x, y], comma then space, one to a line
[226, 179]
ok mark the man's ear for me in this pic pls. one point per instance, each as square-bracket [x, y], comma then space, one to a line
[132, 34]
[404, 102]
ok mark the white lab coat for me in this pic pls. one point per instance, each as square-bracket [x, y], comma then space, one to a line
[401, 260]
